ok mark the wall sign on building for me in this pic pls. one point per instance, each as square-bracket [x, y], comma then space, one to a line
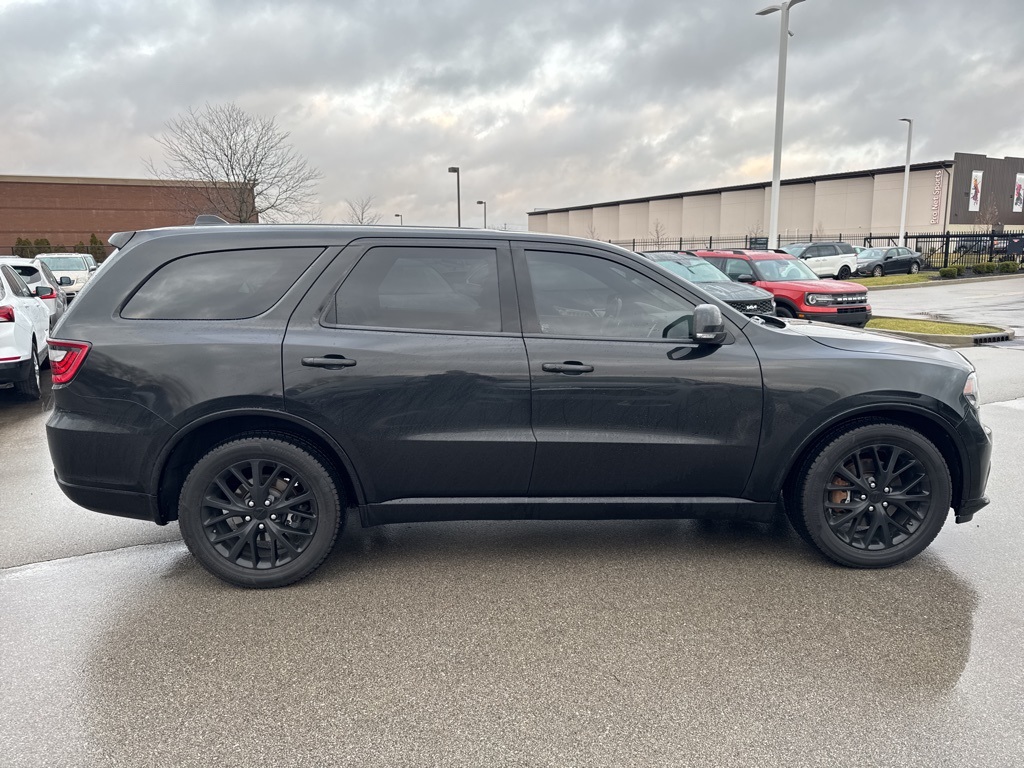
[975, 193]
[1018, 194]
[936, 198]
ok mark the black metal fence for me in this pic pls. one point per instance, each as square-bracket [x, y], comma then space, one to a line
[941, 249]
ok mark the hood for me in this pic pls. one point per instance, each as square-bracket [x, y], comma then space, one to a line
[820, 286]
[855, 340]
[730, 291]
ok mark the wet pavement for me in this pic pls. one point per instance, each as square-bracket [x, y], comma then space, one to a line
[999, 301]
[648, 643]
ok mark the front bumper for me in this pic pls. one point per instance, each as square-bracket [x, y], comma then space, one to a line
[858, 317]
[977, 442]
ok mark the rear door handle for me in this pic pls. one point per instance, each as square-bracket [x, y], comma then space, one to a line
[571, 367]
[330, 362]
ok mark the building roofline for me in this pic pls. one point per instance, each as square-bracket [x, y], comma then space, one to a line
[934, 165]
[105, 181]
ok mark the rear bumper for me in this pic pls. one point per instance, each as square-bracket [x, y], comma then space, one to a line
[18, 370]
[139, 506]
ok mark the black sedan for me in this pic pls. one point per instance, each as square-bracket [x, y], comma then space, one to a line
[877, 262]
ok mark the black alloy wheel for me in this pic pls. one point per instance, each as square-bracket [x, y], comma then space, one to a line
[260, 511]
[844, 273]
[914, 268]
[783, 311]
[874, 496]
[29, 387]
[877, 271]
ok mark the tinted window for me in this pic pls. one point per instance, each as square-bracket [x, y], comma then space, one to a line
[736, 267]
[27, 272]
[846, 248]
[224, 285]
[434, 289]
[17, 284]
[579, 295]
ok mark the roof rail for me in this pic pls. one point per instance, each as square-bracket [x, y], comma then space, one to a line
[209, 220]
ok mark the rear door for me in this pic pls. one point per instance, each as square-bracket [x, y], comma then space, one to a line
[823, 259]
[618, 409]
[409, 353]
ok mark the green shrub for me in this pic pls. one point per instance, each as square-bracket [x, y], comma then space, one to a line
[948, 272]
[960, 269]
[1008, 266]
[984, 268]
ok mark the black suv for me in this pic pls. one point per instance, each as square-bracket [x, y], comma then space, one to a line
[255, 381]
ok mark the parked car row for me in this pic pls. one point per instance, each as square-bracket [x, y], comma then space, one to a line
[24, 326]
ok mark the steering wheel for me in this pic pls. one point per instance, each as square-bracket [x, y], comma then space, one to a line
[612, 310]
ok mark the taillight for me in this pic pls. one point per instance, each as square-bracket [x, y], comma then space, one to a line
[7, 314]
[66, 357]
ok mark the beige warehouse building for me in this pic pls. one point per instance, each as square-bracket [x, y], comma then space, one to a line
[852, 205]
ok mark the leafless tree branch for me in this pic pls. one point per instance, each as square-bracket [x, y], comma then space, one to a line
[360, 211]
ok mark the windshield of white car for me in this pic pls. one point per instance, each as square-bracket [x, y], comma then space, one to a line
[794, 250]
[774, 270]
[65, 263]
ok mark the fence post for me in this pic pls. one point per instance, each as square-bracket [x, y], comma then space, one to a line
[711, 242]
[945, 249]
[634, 244]
[680, 243]
[991, 244]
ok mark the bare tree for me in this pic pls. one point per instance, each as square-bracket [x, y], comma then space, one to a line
[658, 231]
[592, 232]
[360, 211]
[223, 160]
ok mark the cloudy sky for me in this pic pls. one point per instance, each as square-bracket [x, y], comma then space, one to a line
[542, 103]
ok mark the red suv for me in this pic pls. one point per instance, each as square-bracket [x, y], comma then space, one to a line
[798, 291]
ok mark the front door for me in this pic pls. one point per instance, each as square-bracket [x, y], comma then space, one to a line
[619, 409]
[408, 352]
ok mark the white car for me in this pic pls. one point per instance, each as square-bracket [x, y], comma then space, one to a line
[73, 265]
[36, 273]
[833, 259]
[24, 324]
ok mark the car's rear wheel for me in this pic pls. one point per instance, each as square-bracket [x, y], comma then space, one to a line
[914, 268]
[877, 271]
[874, 495]
[783, 311]
[844, 273]
[29, 386]
[260, 511]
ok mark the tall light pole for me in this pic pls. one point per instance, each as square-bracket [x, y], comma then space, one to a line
[906, 182]
[484, 204]
[401, 220]
[773, 226]
[458, 192]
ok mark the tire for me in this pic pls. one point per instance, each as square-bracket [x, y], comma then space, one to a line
[885, 465]
[844, 273]
[783, 311]
[877, 271]
[29, 387]
[268, 533]
[914, 268]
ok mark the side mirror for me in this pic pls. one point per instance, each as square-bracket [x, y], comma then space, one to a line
[42, 290]
[66, 281]
[744, 279]
[93, 269]
[708, 326]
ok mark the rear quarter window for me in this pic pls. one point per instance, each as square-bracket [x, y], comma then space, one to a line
[219, 285]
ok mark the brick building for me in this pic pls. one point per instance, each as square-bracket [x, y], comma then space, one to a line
[69, 210]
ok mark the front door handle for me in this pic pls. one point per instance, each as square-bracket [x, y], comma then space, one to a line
[572, 367]
[330, 362]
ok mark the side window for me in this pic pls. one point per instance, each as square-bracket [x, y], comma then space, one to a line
[422, 288]
[892, 253]
[221, 285]
[736, 267]
[17, 284]
[846, 248]
[27, 273]
[579, 295]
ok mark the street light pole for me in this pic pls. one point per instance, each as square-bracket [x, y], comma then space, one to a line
[780, 100]
[458, 192]
[906, 182]
[401, 220]
[484, 204]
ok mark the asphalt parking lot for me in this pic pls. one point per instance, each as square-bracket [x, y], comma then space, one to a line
[641, 643]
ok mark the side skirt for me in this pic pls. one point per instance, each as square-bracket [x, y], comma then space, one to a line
[576, 508]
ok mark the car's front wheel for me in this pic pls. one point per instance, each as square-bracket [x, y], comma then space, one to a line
[877, 271]
[260, 511]
[783, 311]
[873, 496]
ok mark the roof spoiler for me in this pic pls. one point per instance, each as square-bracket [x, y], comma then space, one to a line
[120, 239]
[209, 220]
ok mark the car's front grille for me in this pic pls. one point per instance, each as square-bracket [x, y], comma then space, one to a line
[754, 307]
[845, 299]
[848, 310]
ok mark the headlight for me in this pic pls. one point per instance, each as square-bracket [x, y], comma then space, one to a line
[818, 299]
[971, 394]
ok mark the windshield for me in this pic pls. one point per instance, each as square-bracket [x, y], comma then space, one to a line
[794, 250]
[871, 253]
[695, 271]
[773, 270]
[64, 263]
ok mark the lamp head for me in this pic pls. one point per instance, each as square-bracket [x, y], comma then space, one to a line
[453, 169]
[481, 202]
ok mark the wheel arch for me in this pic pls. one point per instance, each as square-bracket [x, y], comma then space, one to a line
[939, 432]
[191, 443]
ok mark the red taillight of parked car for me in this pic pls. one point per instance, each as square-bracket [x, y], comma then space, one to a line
[7, 314]
[51, 295]
[66, 357]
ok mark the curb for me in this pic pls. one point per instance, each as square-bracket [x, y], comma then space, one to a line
[941, 281]
[948, 340]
